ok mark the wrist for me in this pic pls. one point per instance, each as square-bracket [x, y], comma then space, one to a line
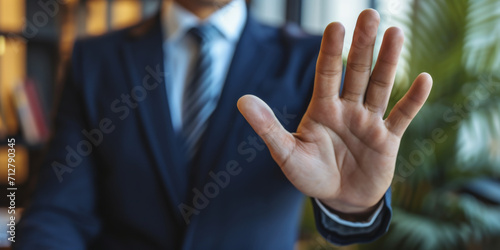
[351, 213]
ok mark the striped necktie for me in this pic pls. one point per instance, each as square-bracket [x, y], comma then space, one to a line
[198, 101]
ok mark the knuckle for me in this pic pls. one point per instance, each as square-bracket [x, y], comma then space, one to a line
[378, 83]
[359, 67]
[372, 107]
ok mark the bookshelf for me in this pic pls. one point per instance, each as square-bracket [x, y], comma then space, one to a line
[35, 45]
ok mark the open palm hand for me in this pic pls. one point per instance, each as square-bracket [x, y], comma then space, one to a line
[344, 152]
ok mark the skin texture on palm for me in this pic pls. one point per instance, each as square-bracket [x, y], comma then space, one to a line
[344, 152]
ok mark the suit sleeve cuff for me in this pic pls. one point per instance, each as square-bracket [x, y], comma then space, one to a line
[341, 232]
[347, 223]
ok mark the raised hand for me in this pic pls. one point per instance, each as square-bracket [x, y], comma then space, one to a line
[344, 152]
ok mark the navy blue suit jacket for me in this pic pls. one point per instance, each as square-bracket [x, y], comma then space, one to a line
[115, 178]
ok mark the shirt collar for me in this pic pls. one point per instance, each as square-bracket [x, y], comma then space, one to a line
[229, 20]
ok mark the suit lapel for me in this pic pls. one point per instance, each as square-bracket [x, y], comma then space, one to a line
[143, 54]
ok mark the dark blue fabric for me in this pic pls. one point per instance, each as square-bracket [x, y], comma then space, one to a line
[344, 235]
[126, 193]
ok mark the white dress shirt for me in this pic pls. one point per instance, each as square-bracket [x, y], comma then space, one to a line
[181, 51]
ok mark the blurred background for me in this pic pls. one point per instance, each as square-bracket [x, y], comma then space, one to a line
[446, 190]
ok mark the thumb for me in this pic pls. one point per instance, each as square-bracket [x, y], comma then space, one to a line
[263, 121]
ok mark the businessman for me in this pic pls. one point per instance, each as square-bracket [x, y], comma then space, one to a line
[150, 151]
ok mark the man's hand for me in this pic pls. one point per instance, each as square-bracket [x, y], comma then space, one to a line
[344, 152]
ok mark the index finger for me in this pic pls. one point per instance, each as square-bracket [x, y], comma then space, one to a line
[329, 65]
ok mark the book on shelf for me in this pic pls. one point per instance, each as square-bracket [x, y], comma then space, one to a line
[8, 118]
[37, 109]
[3, 127]
[31, 115]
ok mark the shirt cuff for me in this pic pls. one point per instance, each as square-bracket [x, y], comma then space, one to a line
[343, 222]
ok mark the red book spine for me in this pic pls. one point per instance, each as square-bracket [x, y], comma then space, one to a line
[36, 109]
